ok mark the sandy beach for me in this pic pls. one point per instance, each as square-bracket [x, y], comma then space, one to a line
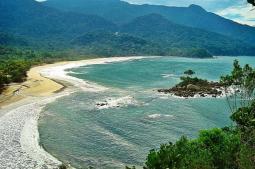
[20, 107]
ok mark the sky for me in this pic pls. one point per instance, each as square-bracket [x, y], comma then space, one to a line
[237, 10]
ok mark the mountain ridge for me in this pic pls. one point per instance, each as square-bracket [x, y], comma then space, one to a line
[155, 27]
[192, 16]
[31, 18]
[48, 28]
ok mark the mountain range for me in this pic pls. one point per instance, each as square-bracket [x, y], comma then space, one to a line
[120, 12]
[114, 27]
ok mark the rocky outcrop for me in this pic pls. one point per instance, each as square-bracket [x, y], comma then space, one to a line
[213, 89]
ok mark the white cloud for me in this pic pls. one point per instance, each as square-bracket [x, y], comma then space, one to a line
[244, 14]
[237, 10]
[210, 5]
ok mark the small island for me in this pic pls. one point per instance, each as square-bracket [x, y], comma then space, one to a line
[193, 86]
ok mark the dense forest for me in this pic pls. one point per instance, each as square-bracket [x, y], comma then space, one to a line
[230, 147]
[145, 30]
[193, 16]
[15, 62]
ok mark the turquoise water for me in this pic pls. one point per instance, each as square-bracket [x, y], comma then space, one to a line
[75, 130]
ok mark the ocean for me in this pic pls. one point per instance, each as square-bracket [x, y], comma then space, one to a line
[119, 126]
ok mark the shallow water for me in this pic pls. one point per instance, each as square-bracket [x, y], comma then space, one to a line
[76, 130]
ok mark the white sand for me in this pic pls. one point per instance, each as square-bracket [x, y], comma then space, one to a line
[58, 72]
[19, 137]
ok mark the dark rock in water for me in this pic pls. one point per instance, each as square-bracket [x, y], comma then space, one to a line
[102, 104]
[202, 89]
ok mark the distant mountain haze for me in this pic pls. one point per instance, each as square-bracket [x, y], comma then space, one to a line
[121, 12]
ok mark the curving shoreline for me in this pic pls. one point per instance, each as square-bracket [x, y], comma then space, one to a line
[19, 136]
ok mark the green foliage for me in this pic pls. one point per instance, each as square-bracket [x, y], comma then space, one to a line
[245, 119]
[197, 53]
[62, 166]
[189, 72]
[116, 44]
[192, 80]
[15, 70]
[14, 63]
[7, 39]
[242, 80]
[121, 12]
[247, 155]
[123, 44]
[193, 42]
[214, 149]
[150, 32]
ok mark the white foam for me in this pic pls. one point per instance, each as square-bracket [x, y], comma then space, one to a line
[169, 75]
[116, 102]
[157, 116]
[19, 136]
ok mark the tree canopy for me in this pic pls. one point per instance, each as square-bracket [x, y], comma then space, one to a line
[189, 72]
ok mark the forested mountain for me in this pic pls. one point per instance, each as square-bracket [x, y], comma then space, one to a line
[153, 34]
[31, 19]
[156, 28]
[8, 39]
[118, 44]
[75, 26]
[121, 12]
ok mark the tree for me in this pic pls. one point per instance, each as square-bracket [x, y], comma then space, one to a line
[239, 86]
[189, 72]
[213, 149]
[242, 104]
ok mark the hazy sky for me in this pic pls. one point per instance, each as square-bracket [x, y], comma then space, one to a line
[237, 10]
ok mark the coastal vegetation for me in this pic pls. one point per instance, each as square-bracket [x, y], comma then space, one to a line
[197, 53]
[242, 82]
[189, 72]
[15, 62]
[219, 148]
